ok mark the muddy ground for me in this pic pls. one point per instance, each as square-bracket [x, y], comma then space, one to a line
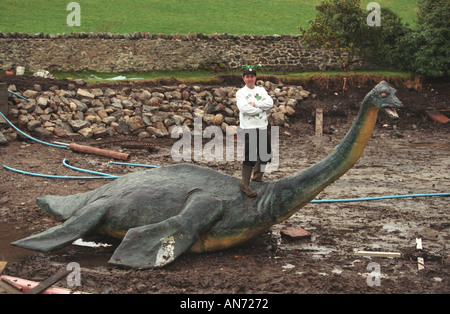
[410, 156]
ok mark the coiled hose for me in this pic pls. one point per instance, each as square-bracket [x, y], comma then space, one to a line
[101, 175]
[28, 136]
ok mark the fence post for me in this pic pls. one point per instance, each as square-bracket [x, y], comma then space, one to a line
[3, 100]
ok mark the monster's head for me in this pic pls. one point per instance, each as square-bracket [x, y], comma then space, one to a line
[383, 96]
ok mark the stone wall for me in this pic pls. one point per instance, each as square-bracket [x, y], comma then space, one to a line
[143, 52]
[100, 112]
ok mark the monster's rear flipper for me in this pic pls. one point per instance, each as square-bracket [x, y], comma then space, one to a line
[81, 223]
[161, 243]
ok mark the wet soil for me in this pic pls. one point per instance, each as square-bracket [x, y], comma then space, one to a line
[410, 156]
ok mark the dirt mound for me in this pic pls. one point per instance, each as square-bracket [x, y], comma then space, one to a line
[24, 83]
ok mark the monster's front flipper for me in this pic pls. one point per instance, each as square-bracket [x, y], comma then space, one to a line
[159, 244]
[81, 223]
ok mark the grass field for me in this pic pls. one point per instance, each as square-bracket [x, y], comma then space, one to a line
[173, 16]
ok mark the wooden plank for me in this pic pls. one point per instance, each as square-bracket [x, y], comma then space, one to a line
[25, 285]
[42, 286]
[2, 266]
[8, 289]
[379, 254]
[438, 117]
[420, 263]
[11, 283]
[319, 121]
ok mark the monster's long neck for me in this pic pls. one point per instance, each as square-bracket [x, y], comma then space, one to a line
[294, 192]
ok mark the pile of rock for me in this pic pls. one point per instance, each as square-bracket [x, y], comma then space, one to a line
[144, 112]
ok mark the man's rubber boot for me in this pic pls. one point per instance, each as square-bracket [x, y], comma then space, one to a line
[245, 184]
[257, 173]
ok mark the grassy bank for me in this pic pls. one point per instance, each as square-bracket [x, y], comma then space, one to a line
[330, 80]
[173, 16]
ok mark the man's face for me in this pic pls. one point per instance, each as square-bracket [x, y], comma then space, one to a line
[249, 80]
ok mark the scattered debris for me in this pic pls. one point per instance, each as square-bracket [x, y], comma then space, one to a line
[420, 260]
[47, 283]
[133, 144]
[11, 283]
[8, 286]
[2, 266]
[81, 242]
[94, 77]
[20, 70]
[43, 73]
[438, 117]
[15, 285]
[117, 78]
[287, 266]
[97, 151]
[296, 233]
[378, 254]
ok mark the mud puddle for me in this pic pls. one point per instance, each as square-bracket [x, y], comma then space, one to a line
[85, 253]
[9, 233]
[308, 246]
[85, 257]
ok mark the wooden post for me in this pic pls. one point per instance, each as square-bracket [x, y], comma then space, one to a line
[319, 121]
[3, 100]
[420, 260]
[2, 266]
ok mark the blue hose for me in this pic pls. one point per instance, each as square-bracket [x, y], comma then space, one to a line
[54, 176]
[135, 165]
[101, 175]
[107, 176]
[18, 95]
[30, 137]
[377, 198]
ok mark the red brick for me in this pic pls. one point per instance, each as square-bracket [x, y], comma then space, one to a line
[437, 116]
[296, 233]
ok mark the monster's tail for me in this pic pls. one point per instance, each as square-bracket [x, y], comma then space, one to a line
[62, 207]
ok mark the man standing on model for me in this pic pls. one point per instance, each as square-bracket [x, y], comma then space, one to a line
[253, 102]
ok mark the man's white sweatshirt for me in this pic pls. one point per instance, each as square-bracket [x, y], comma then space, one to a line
[253, 117]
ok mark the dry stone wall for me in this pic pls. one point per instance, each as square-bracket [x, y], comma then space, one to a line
[143, 52]
[143, 112]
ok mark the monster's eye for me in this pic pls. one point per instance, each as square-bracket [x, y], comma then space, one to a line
[383, 94]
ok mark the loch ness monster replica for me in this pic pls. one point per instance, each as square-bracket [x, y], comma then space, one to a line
[161, 213]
